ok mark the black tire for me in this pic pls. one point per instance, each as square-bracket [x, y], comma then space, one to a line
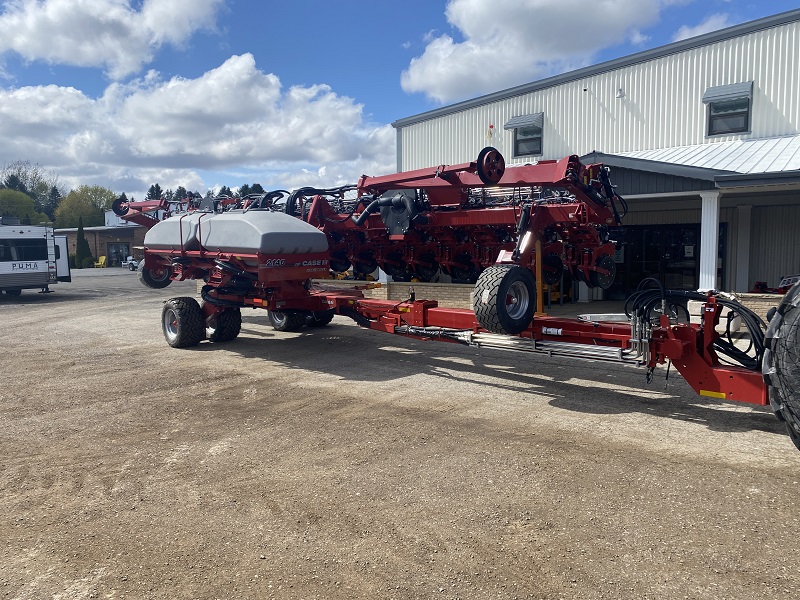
[120, 207]
[14, 292]
[182, 322]
[155, 278]
[131, 267]
[287, 320]
[225, 325]
[781, 363]
[505, 299]
[320, 318]
[604, 280]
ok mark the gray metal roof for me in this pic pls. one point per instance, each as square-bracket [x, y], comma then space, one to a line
[760, 155]
[653, 166]
[533, 120]
[625, 61]
[731, 91]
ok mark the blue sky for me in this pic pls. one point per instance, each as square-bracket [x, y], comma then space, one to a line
[204, 93]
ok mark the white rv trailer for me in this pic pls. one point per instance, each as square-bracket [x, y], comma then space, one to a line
[31, 257]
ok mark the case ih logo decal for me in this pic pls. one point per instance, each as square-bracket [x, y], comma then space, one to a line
[281, 262]
[24, 266]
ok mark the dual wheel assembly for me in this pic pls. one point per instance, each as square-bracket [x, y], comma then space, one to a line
[184, 324]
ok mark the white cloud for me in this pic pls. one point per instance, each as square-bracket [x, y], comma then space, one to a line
[510, 42]
[712, 23]
[108, 34]
[638, 38]
[232, 120]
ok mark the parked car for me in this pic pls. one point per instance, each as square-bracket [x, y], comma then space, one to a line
[131, 263]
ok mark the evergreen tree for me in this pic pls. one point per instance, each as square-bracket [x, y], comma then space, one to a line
[225, 191]
[154, 193]
[53, 200]
[82, 250]
[244, 191]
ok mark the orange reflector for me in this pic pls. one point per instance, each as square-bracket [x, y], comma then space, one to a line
[712, 394]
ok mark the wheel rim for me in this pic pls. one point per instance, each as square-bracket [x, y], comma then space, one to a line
[159, 274]
[491, 165]
[279, 318]
[211, 325]
[170, 324]
[517, 300]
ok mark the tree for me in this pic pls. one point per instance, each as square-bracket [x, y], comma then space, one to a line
[82, 250]
[13, 182]
[87, 202]
[14, 203]
[169, 195]
[34, 181]
[181, 193]
[154, 193]
[250, 189]
[53, 200]
[225, 191]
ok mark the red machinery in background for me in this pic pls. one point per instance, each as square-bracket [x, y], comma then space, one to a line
[479, 222]
[464, 218]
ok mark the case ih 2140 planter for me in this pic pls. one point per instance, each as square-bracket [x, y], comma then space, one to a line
[478, 222]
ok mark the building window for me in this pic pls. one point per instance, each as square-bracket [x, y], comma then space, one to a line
[527, 134]
[729, 108]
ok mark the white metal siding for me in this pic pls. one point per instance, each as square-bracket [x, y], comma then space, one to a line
[662, 106]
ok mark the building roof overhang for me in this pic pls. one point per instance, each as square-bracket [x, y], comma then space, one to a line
[653, 166]
[751, 181]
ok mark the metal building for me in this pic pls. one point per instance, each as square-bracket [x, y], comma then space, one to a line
[702, 135]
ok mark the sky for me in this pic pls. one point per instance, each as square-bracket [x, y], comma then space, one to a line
[205, 93]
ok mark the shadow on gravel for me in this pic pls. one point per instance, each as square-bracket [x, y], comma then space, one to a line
[32, 297]
[356, 354]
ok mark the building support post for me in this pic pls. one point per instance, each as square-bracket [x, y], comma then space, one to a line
[744, 214]
[709, 240]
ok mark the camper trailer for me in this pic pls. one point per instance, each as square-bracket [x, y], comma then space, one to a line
[31, 257]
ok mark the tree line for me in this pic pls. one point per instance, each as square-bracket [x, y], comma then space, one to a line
[34, 195]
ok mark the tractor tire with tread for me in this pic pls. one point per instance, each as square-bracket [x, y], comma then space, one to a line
[781, 362]
[182, 322]
[287, 320]
[320, 318]
[505, 299]
[224, 326]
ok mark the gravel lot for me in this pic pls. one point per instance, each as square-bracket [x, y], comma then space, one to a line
[342, 463]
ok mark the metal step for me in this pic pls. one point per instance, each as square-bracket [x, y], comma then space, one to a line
[600, 353]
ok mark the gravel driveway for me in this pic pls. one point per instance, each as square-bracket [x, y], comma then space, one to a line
[344, 463]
